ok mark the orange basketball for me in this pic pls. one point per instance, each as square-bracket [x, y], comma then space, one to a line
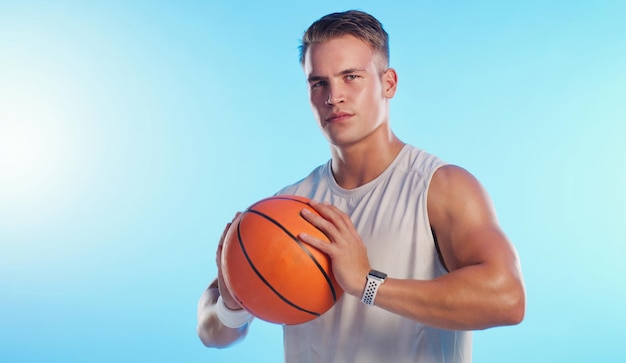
[273, 274]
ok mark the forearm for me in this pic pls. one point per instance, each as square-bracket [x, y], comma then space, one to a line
[471, 298]
[211, 331]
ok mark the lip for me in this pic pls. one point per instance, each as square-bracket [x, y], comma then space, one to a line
[338, 116]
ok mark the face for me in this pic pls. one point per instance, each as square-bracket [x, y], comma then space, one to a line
[349, 90]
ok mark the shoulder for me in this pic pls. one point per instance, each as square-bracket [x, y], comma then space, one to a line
[453, 184]
[455, 196]
[461, 214]
[304, 185]
[414, 158]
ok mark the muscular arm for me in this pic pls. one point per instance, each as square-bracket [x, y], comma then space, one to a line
[210, 329]
[484, 287]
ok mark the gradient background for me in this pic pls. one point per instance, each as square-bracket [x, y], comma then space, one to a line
[131, 133]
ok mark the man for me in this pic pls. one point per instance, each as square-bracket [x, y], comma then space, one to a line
[447, 267]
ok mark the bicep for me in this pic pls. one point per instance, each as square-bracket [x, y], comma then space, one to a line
[464, 220]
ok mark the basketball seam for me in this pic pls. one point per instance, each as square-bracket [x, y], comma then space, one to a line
[258, 273]
[306, 250]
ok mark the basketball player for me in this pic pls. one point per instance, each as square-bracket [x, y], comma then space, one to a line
[415, 243]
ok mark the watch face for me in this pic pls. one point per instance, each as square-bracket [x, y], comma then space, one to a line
[380, 275]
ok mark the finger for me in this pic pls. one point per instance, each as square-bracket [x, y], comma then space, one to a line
[331, 228]
[332, 214]
[225, 231]
[321, 245]
[220, 245]
[318, 221]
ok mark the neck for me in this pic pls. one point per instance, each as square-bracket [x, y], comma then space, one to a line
[358, 164]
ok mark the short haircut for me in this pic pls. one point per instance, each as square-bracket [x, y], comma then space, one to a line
[352, 22]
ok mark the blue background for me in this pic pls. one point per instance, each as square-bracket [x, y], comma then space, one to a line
[131, 133]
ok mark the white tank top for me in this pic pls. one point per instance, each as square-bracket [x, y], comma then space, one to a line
[390, 214]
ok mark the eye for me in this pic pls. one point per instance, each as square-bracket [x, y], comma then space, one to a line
[318, 84]
[351, 77]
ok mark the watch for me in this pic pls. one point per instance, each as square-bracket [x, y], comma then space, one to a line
[374, 280]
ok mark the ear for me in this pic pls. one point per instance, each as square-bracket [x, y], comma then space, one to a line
[390, 82]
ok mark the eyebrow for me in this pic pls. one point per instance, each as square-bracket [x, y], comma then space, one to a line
[342, 73]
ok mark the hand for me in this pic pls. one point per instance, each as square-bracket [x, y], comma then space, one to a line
[227, 297]
[346, 250]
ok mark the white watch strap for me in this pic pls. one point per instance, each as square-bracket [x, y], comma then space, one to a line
[371, 289]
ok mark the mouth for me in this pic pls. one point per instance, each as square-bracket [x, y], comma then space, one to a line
[338, 116]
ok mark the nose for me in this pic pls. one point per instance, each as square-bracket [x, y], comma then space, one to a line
[335, 96]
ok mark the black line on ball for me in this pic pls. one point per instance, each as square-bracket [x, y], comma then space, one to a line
[297, 240]
[306, 250]
[258, 273]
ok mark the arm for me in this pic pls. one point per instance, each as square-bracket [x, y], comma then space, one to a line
[211, 331]
[484, 287]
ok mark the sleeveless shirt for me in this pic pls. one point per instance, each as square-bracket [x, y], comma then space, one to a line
[390, 214]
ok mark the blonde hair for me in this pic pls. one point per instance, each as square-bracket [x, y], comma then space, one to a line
[352, 22]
